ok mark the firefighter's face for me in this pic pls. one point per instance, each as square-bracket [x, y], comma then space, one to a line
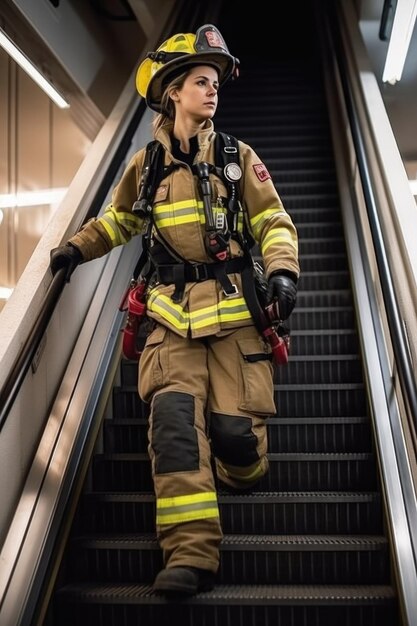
[197, 97]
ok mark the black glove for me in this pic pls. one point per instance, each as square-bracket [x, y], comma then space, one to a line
[283, 289]
[67, 256]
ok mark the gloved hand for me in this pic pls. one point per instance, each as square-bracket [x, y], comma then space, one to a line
[67, 256]
[283, 289]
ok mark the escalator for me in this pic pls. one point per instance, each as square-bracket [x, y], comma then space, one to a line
[309, 545]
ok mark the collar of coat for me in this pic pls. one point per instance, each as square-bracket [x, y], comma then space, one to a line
[204, 136]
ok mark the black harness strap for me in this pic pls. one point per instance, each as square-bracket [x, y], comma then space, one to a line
[179, 271]
[199, 272]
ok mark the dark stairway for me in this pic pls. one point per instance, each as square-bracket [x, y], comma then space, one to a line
[308, 547]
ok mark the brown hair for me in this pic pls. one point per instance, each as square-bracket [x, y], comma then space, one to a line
[167, 105]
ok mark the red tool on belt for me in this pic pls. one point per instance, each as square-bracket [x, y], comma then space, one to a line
[134, 302]
[277, 336]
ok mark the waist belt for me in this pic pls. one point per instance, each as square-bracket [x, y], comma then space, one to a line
[181, 273]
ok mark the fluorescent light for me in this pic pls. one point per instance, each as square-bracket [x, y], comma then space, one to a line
[5, 293]
[402, 29]
[32, 198]
[30, 69]
[413, 186]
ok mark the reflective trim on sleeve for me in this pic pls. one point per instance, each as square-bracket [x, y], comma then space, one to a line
[179, 509]
[278, 236]
[257, 223]
[120, 226]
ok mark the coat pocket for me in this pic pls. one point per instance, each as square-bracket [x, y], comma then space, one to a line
[153, 366]
[256, 381]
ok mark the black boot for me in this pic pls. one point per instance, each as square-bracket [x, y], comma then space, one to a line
[183, 580]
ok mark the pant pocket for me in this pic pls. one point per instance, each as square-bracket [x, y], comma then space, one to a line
[153, 365]
[256, 380]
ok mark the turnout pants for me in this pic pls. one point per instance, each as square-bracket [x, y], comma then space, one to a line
[209, 400]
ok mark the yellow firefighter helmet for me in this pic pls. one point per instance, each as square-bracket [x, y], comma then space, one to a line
[206, 47]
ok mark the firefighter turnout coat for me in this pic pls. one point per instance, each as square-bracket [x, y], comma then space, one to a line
[179, 218]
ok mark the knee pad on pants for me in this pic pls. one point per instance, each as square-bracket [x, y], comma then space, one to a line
[174, 438]
[233, 441]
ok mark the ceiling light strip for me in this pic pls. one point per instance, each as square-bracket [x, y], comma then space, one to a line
[31, 70]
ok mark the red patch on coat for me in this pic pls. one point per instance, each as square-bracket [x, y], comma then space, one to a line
[261, 172]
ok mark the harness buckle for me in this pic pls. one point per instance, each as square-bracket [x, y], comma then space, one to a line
[201, 273]
[231, 293]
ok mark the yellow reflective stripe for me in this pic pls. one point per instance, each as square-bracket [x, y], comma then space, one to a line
[184, 212]
[120, 225]
[186, 508]
[110, 231]
[233, 309]
[278, 236]
[257, 222]
[166, 308]
[225, 311]
[206, 316]
[249, 476]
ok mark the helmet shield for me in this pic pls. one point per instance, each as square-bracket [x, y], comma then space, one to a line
[177, 54]
[209, 39]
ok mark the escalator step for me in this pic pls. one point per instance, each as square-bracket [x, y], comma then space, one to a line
[323, 342]
[270, 605]
[316, 201]
[302, 215]
[322, 262]
[295, 163]
[317, 174]
[301, 368]
[297, 152]
[288, 188]
[315, 318]
[350, 434]
[302, 400]
[332, 280]
[251, 560]
[300, 471]
[320, 400]
[333, 434]
[318, 299]
[321, 245]
[320, 369]
[260, 513]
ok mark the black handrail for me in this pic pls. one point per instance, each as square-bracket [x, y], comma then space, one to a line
[398, 336]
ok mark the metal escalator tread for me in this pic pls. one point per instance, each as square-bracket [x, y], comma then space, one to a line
[237, 594]
[250, 542]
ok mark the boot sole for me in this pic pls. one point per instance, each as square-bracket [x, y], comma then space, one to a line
[172, 588]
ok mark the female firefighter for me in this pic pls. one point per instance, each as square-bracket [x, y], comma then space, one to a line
[205, 370]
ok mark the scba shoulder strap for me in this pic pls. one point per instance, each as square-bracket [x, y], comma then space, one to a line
[153, 172]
